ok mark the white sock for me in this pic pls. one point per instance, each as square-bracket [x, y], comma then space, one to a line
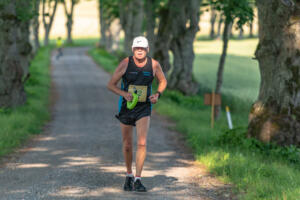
[137, 178]
[129, 175]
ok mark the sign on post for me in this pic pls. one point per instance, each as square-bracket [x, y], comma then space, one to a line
[212, 100]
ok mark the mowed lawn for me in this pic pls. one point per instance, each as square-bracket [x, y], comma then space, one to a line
[241, 74]
[241, 77]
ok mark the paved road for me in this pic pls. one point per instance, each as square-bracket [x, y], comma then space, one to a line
[79, 154]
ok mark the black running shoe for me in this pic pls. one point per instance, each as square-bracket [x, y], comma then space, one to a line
[128, 186]
[139, 187]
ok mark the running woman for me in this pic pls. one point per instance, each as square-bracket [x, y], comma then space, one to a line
[137, 73]
[59, 44]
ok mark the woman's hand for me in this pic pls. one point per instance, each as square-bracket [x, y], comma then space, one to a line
[154, 98]
[128, 96]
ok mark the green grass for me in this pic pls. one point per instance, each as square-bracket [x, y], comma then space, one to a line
[77, 42]
[106, 60]
[241, 74]
[18, 124]
[255, 175]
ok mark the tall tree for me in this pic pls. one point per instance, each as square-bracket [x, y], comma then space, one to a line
[251, 35]
[213, 17]
[251, 23]
[164, 35]
[231, 9]
[48, 17]
[102, 23]
[69, 14]
[150, 6]
[36, 24]
[109, 24]
[275, 116]
[220, 22]
[241, 34]
[131, 18]
[185, 26]
[15, 49]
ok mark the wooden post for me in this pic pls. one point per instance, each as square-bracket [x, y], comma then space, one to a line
[212, 109]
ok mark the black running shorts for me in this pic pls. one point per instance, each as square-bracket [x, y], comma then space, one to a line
[129, 117]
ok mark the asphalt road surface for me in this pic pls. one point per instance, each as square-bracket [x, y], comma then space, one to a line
[79, 154]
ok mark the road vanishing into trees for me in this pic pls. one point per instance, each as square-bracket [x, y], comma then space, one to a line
[79, 155]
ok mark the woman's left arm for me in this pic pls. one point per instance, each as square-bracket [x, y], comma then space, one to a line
[162, 82]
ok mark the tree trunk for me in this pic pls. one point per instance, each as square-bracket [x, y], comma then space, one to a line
[150, 24]
[221, 65]
[48, 25]
[47, 32]
[230, 30]
[36, 25]
[115, 28]
[131, 17]
[241, 34]
[184, 30]
[213, 16]
[69, 28]
[220, 22]
[126, 22]
[163, 39]
[102, 24]
[14, 53]
[109, 42]
[251, 35]
[275, 116]
[69, 23]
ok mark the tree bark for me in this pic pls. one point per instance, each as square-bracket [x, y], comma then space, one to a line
[221, 65]
[48, 25]
[241, 34]
[15, 49]
[131, 18]
[251, 35]
[230, 30]
[115, 28]
[69, 23]
[275, 116]
[213, 16]
[102, 24]
[185, 27]
[220, 22]
[150, 24]
[36, 25]
[163, 38]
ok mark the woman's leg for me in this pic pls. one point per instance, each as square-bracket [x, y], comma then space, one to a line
[127, 146]
[142, 127]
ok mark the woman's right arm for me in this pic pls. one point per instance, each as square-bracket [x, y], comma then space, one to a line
[117, 75]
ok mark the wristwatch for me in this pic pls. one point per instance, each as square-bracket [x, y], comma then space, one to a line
[159, 94]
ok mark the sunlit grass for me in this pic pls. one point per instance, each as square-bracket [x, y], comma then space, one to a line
[241, 74]
[244, 47]
[254, 176]
[106, 60]
[19, 123]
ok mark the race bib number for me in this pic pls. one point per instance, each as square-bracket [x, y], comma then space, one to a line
[141, 91]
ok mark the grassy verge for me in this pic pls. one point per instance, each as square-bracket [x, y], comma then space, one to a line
[258, 171]
[19, 123]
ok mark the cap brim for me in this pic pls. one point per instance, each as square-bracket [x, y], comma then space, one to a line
[140, 46]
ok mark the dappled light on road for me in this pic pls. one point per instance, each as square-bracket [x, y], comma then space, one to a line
[33, 165]
[81, 156]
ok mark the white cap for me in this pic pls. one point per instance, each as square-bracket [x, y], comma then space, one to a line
[140, 41]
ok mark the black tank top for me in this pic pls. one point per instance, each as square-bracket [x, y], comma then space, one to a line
[138, 79]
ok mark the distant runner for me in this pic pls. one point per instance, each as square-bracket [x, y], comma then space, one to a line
[59, 44]
[137, 73]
